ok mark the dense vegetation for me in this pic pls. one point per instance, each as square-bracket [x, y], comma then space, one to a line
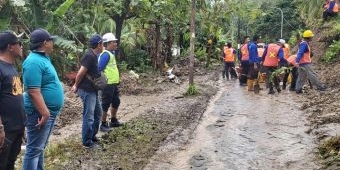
[149, 29]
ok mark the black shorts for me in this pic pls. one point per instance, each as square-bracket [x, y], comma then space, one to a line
[110, 96]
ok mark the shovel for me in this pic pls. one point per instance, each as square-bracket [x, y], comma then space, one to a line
[257, 84]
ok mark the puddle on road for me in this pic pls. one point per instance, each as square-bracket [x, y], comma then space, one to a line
[244, 131]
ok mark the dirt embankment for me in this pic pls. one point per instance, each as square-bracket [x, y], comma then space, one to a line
[323, 108]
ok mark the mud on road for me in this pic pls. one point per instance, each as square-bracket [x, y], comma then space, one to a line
[241, 130]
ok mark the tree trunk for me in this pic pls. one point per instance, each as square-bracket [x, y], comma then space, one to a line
[159, 61]
[168, 44]
[192, 42]
[209, 55]
[119, 27]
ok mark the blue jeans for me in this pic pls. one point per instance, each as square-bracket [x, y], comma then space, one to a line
[37, 139]
[92, 113]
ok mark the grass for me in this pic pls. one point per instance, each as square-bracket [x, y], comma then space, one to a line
[126, 147]
[329, 151]
[192, 90]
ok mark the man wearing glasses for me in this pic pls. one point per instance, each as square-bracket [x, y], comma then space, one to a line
[92, 110]
[12, 115]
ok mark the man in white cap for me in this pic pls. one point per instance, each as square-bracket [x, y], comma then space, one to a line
[110, 95]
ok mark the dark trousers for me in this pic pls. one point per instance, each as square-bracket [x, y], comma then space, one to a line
[230, 68]
[294, 73]
[244, 72]
[327, 14]
[11, 149]
[252, 72]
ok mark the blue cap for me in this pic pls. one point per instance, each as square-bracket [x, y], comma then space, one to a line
[9, 37]
[95, 40]
[40, 35]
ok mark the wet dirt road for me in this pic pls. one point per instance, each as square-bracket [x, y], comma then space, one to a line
[244, 131]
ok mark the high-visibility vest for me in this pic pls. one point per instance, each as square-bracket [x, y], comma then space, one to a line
[111, 70]
[306, 56]
[229, 55]
[271, 59]
[292, 59]
[286, 51]
[244, 52]
[260, 51]
[335, 8]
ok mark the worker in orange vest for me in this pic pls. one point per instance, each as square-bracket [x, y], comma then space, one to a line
[303, 62]
[229, 61]
[331, 9]
[273, 53]
[243, 57]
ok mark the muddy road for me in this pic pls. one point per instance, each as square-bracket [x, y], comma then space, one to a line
[244, 131]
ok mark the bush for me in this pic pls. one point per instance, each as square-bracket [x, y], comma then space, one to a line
[332, 52]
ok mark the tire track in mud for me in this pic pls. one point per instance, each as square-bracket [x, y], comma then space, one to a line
[244, 131]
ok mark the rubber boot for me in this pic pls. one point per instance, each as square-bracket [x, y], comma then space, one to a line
[271, 90]
[250, 84]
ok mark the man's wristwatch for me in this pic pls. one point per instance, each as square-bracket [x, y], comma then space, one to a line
[2, 128]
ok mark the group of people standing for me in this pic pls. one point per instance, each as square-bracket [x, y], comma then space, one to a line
[34, 105]
[254, 62]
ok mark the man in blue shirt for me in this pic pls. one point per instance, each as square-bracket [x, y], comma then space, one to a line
[12, 114]
[330, 9]
[304, 64]
[254, 62]
[110, 94]
[43, 97]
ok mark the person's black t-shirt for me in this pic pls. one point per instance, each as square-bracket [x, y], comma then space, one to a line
[11, 100]
[89, 61]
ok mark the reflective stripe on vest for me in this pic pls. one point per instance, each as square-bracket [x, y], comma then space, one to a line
[229, 54]
[244, 52]
[286, 51]
[336, 8]
[306, 56]
[271, 59]
[111, 70]
[260, 51]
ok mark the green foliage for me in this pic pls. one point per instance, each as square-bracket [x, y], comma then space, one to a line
[201, 54]
[138, 60]
[63, 8]
[332, 52]
[310, 12]
[292, 40]
[269, 25]
[192, 90]
[279, 72]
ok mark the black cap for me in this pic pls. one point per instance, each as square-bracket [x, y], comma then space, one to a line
[9, 37]
[40, 35]
[95, 40]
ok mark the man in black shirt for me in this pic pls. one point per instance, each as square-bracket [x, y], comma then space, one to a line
[92, 110]
[12, 114]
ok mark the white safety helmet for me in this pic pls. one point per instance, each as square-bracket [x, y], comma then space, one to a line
[109, 37]
[282, 41]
